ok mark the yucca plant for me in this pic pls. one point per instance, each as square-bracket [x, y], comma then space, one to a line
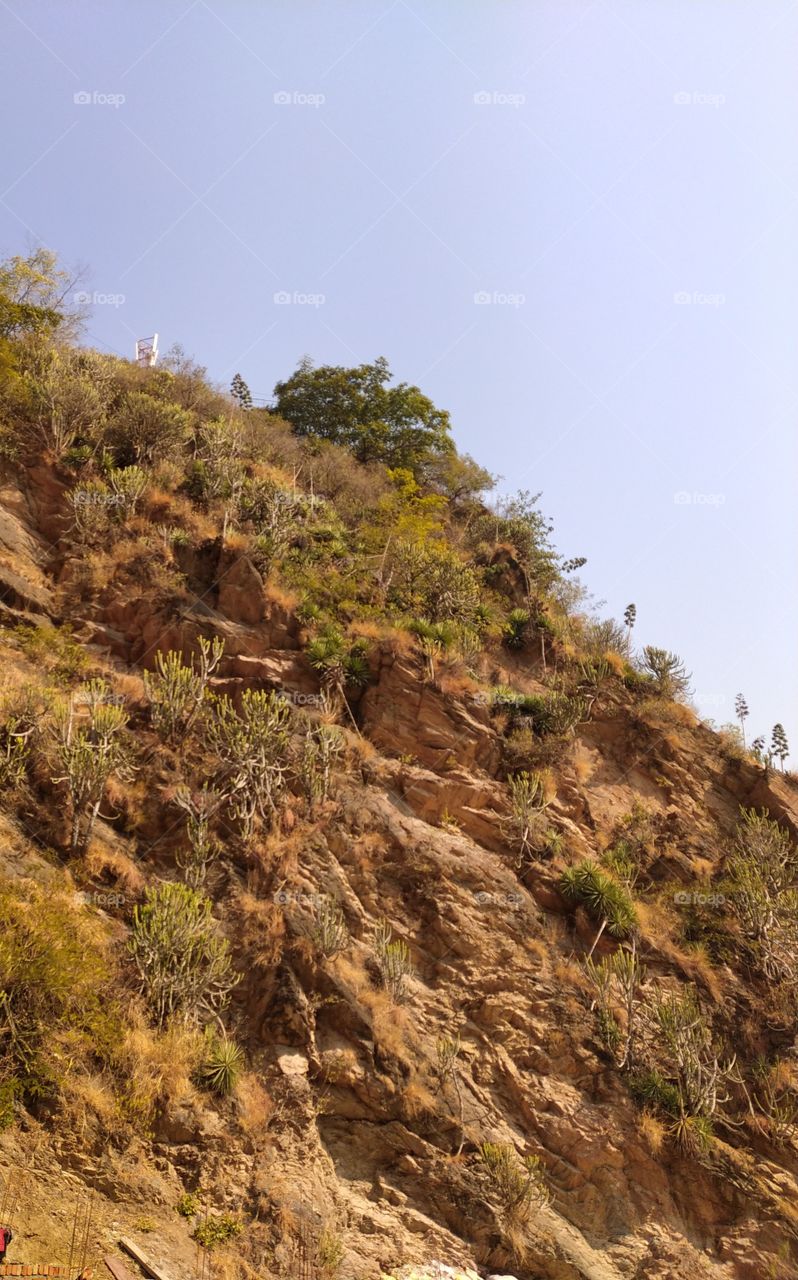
[222, 1065]
[515, 628]
[606, 901]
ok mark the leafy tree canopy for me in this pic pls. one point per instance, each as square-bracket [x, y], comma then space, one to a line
[397, 425]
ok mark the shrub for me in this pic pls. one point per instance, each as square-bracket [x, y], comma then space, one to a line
[690, 1061]
[762, 868]
[184, 965]
[188, 1205]
[89, 749]
[515, 628]
[57, 1002]
[252, 745]
[64, 396]
[430, 581]
[177, 690]
[526, 823]
[217, 1229]
[330, 931]
[203, 848]
[668, 672]
[145, 429]
[518, 1183]
[329, 1253]
[394, 961]
[321, 749]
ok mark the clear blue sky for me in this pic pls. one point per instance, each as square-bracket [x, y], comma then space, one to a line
[619, 156]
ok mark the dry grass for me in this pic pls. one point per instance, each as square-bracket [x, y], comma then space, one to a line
[102, 860]
[259, 928]
[275, 594]
[615, 662]
[157, 1065]
[255, 1106]
[417, 1100]
[652, 1131]
[584, 763]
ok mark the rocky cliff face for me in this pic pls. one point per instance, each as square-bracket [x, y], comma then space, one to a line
[352, 1130]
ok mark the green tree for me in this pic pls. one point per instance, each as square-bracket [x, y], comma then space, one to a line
[629, 618]
[241, 392]
[779, 745]
[39, 293]
[355, 407]
[741, 711]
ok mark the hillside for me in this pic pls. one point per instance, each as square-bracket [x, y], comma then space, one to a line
[367, 901]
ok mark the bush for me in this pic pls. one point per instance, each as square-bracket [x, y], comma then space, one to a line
[515, 628]
[184, 965]
[668, 672]
[188, 1205]
[177, 690]
[57, 1003]
[394, 960]
[252, 745]
[518, 1183]
[89, 748]
[330, 930]
[762, 869]
[217, 1229]
[145, 429]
